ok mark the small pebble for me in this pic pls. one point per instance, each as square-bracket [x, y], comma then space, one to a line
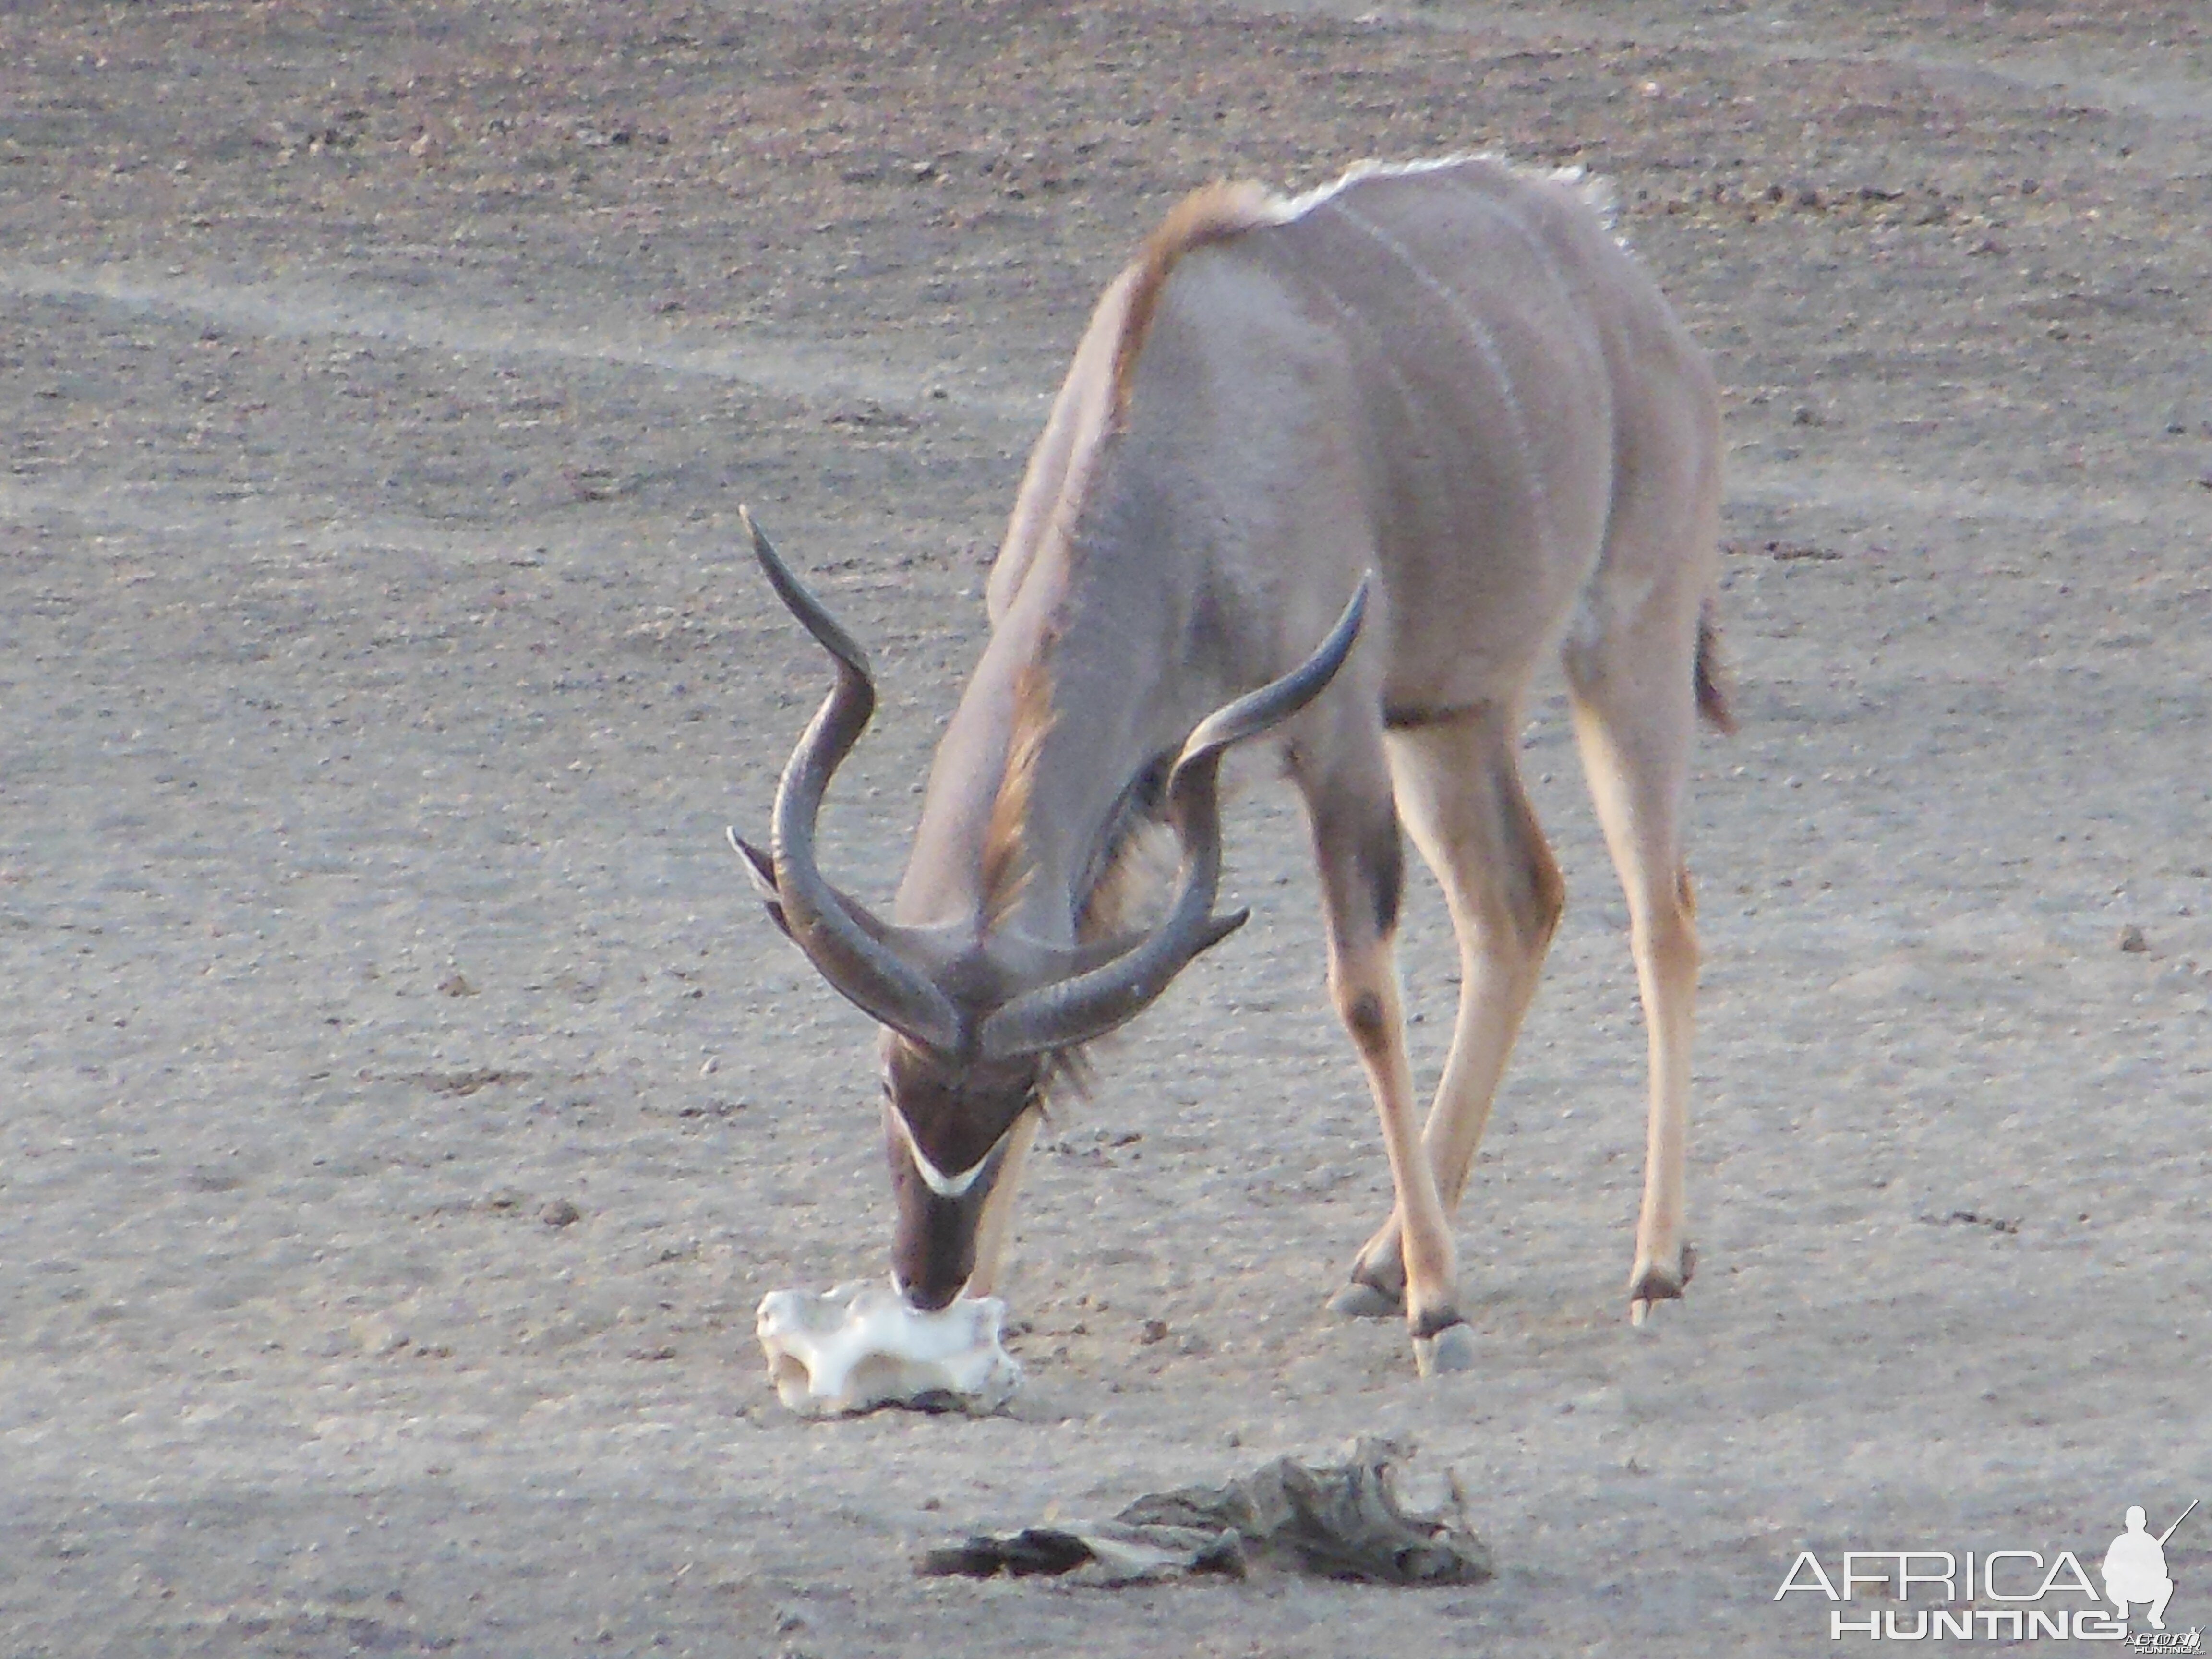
[560, 1213]
[2132, 939]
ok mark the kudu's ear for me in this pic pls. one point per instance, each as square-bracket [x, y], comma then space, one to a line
[761, 868]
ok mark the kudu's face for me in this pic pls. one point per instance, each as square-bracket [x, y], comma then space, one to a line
[946, 1124]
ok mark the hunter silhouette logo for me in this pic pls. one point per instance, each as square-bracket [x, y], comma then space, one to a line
[2008, 1596]
[2135, 1566]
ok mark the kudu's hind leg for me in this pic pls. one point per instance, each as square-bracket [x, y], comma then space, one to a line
[1460, 790]
[1635, 715]
[1356, 847]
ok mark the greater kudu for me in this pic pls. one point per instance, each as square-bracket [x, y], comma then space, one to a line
[1449, 376]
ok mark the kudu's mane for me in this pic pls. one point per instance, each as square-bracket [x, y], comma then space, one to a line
[1004, 869]
[1215, 212]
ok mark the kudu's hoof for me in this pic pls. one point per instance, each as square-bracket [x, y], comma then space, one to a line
[1653, 1285]
[1360, 1300]
[1451, 1349]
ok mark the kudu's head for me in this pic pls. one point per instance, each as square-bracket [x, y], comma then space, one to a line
[975, 1020]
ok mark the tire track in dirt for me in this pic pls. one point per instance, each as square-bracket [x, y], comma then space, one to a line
[2174, 104]
[2173, 101]
[177, 509]
[1855, 488]
[815, 371]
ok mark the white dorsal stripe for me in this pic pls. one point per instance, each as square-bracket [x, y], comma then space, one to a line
[1295, 206]
[1597, 190]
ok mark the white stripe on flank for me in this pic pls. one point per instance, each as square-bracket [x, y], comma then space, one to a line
[1485, 345]
[1520, 227]
[1375, 348]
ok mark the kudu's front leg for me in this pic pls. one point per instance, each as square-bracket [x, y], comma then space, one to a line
[1460, 790]
[997, 1223]
[1358, 847]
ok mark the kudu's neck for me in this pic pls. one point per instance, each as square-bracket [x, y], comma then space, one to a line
[1088, 680]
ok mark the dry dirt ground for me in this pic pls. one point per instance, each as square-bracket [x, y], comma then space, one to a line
[405, 1103]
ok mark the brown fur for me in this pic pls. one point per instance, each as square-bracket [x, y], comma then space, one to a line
[1005, 867]
[1132, 868]
[1128, 872]
[1212, 213]
[1712, 673]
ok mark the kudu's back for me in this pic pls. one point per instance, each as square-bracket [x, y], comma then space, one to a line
[1452, 373]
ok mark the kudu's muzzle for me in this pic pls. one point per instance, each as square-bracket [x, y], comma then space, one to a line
[933, 1240]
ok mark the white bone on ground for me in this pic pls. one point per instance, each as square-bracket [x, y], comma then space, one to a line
[860, 1346]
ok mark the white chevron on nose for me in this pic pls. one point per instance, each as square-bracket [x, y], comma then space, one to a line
[936, 1180]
